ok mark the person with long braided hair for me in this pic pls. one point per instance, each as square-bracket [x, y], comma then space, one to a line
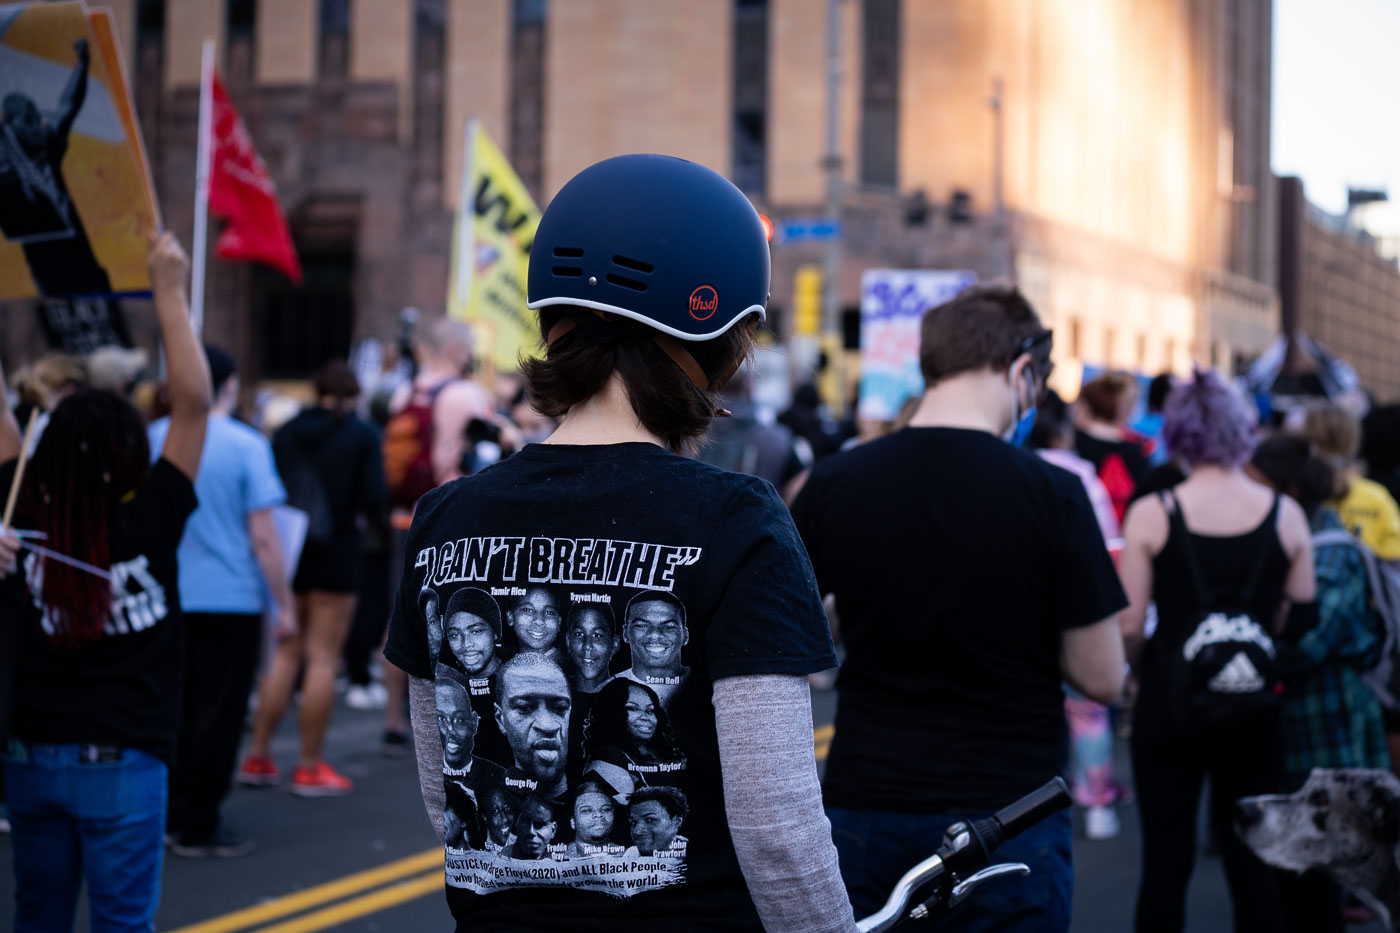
[99, 635]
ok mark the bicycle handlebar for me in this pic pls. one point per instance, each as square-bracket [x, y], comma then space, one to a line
[1034, 807]
[1008, 823]
[966, 848]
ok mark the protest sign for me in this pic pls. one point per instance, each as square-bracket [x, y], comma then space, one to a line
[104, 29]
[76, 201]
[496, 221]
[892, 303]
[81, 325]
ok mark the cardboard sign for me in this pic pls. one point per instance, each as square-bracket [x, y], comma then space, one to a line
[892, 303]
[79, 326]
[76, 200]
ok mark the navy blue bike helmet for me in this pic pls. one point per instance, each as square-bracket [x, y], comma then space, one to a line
[665, 242]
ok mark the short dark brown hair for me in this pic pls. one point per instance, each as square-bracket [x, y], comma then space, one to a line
[1103, 395]
[666, 402]
[337, 380]
[984, 327]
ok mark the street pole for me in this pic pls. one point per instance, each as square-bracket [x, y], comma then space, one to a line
[831, 164]
[198, 248]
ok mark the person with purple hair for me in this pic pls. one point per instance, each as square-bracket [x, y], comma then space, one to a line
[1253, 552]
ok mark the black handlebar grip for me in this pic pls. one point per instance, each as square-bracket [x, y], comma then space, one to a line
[1034, 807]
[989, 833]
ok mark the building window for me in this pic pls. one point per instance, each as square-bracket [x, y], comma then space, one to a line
[431, 15]
[750, 139]
[304, 326]
[335, 37]
[150, 18]
[148, 70]
[242, 17]
[1171, 355]
[429, 68]
[879, 94]
[1074, 336]
[530, 11]
[240, 20]
[1110, 338]
[1142, 353]
[527, 92]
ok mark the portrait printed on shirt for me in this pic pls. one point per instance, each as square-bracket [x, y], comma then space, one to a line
[556, 661]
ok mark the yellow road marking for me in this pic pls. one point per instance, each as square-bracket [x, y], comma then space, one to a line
[822, 737]
[382, 899]
[312, 897]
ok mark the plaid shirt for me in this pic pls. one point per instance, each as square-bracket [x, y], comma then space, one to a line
[1330, 717]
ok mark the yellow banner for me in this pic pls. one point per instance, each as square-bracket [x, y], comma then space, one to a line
[496, 221]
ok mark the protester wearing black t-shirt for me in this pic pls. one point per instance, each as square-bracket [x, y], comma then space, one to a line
[1120, 455]
[681, 739]
[97, 607]
[971, 579]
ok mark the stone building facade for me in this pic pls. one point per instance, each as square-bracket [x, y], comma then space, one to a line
[1124, 183]
[1336, 288]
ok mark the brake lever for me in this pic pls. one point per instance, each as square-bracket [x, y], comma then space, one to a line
[963, 889]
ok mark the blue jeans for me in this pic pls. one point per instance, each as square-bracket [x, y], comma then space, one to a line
[73, 820]
[877, 848]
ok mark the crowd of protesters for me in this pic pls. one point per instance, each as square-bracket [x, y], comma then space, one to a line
[167, 603]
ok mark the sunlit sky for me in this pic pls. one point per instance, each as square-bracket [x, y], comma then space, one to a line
[1336, 106]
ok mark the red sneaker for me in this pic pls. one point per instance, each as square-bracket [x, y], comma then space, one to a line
[258, 771]
[320, 781]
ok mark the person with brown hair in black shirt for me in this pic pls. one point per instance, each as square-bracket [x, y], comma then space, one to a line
[971, 580]
[1118, 453]
[650, 274]
[97, 608]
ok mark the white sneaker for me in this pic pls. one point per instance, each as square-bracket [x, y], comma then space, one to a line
[1101, 823]
[371, 696]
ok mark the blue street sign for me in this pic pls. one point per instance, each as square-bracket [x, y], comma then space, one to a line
[810, 230]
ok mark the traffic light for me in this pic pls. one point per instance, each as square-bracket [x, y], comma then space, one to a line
[767, 226]
[807, 300]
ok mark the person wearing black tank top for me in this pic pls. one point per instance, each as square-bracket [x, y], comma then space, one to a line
[1253, 550]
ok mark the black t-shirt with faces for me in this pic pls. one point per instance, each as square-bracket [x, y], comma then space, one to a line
[573, 607]
[122, 690]
[957, 562]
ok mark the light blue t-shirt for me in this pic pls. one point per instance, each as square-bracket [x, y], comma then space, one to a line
[237, 476]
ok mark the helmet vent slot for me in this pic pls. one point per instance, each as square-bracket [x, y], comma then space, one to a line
[568, 252]
[571, 272]
[625, 282]
[635, 265]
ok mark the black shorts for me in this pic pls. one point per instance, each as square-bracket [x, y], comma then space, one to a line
[329, 568]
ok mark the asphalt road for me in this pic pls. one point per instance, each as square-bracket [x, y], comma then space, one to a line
[369, 862]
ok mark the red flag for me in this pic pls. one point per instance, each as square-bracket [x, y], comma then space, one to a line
[243, 193]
